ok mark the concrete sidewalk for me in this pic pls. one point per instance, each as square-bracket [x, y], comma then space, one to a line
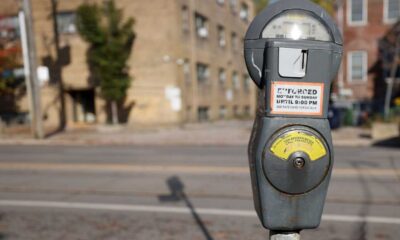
[233, 132]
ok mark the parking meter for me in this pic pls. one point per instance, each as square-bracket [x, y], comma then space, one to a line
[293, 52]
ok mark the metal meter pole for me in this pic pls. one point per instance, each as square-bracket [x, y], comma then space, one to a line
[277, 235]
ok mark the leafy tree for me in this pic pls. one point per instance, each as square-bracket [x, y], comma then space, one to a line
[111, 40]
[260, 5]
[328, 5]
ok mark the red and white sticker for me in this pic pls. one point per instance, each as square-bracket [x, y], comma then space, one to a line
[297, 98]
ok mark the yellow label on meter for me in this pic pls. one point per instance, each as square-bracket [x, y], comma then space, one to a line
[297, 141]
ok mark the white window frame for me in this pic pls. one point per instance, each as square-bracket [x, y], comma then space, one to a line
[221, 2]
[234, 42]
[236, 111]
[233, 5]
[202, 31]
[222, 112]
[246, 82]
[386, 18]
[202, 79]
[350, 69]
[364, 21]
[185, 18]
[235, 81]
[221, 38]
[246, 110]
[244, 12]
[186, 71]
[72, 28]
[222, 77]
[12, 23]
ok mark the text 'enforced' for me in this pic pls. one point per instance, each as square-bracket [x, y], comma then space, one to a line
[297, 98]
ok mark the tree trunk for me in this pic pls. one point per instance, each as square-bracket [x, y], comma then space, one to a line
[114, 112]
[1, 126]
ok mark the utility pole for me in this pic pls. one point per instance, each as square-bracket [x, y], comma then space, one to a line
[30, 66]
[340, 22]
[392, 78]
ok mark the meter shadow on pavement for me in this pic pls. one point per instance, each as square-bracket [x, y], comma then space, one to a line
[177, 187]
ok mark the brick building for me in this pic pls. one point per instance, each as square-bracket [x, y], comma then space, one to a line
[364, 23]
[186, 62]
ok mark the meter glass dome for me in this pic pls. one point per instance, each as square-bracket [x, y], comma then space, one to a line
[296, 25]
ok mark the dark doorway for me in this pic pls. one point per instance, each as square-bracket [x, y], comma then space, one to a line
[83, 106]
[202, 114]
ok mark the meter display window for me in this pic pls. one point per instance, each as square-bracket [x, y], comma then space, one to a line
[297, 25]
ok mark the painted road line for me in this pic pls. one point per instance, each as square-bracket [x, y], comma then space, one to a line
[106, 167]
[176, 169]
[368, 219]
[180, 210]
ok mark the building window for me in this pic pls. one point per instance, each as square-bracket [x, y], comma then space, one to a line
[357, 12]
[222, 77]
[186, 71]
[236, 111]
[233, 4]
[246, 82]
[202, 114]
[235, 81]
[201, 26]
[83, 105]
[357, 66]
[221, 36]
[391, 11]
[246, 111]
[221, 2]
[222, 112]
[188, 113]
[9, 27]
[244, 12]
[66, 22]
[185, 19]
[202, 73]
[235, 43]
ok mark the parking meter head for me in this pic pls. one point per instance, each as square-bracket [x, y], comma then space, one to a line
[296, 20]
[293, 51]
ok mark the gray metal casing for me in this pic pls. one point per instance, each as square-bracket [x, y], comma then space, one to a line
[278, 210]
[254, 46]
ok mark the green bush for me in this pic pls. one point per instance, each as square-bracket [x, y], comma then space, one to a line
[348, 118]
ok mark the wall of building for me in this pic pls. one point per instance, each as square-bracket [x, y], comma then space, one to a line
[157, 63]
[206, 50]
[364, 37]
[149, 64]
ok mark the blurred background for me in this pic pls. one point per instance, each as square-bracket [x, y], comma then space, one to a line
[129, 119]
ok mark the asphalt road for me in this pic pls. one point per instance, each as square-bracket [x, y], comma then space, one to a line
[55, 192]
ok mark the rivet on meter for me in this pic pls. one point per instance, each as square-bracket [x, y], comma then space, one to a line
[299, 162]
